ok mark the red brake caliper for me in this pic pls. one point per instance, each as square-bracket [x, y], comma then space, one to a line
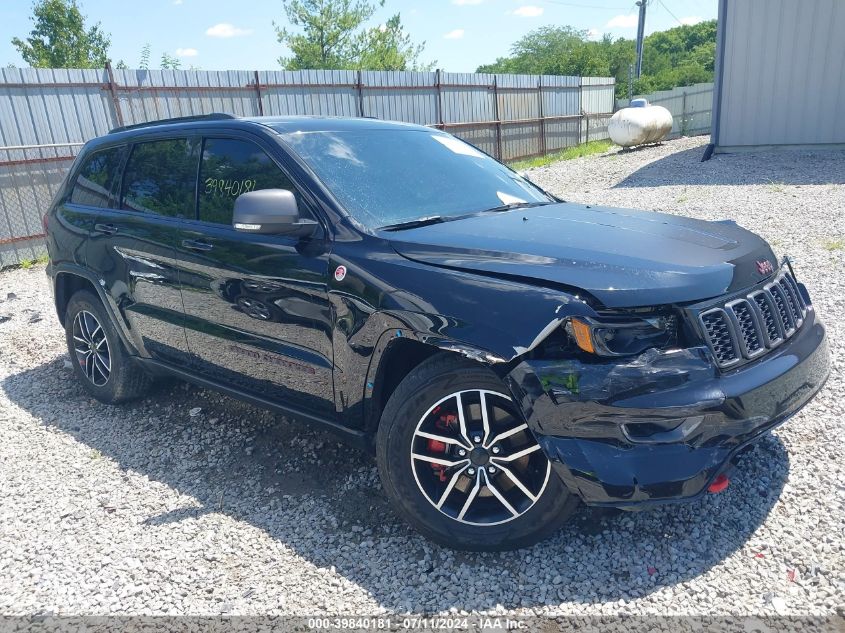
[435, 446]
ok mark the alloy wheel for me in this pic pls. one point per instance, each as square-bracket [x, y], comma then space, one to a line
[91, 348]
[476, 461]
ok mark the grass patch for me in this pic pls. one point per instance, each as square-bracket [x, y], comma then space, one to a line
[834, 245]
[29, 263]
[578, 151]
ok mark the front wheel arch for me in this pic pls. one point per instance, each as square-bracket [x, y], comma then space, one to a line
[423, 388]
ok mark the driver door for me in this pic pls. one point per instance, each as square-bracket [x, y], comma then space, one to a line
[257, 316]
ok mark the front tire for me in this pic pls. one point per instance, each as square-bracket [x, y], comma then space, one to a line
[99, 359]
[457, 460]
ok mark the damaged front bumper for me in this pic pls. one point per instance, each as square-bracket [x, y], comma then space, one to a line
[663, 425]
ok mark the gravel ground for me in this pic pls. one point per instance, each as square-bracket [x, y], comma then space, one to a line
[148, 509]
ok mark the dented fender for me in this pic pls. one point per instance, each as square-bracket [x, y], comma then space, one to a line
[660, 426]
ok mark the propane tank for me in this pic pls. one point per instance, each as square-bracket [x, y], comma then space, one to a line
[639, 124]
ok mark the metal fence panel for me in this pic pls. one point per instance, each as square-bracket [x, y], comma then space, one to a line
[400, 96]
[301, 92]
[46, 114]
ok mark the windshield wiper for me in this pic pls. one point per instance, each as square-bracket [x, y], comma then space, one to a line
[412, 224]
[516, 205]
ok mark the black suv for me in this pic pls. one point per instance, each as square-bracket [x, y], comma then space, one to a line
[504, 353]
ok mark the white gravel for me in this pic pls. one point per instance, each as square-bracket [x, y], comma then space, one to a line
[188, 502]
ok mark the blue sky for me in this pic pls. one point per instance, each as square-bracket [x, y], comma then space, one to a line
[459, 34]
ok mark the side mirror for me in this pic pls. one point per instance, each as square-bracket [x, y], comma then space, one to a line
[270, 212]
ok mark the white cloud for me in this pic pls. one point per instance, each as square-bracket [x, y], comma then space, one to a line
[529, 11]
[226, 30]
[622, 22]
[177, 1]
[455, 34]
[464, 3]
[690, 20]
[593, 34]
[187, 52]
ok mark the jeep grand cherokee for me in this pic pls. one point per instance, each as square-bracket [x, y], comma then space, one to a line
[505, 354]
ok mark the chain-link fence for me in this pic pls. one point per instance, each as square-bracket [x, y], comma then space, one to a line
[29, 178]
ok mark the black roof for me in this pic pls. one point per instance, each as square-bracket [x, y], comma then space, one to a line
[288, 124]
[281, 124]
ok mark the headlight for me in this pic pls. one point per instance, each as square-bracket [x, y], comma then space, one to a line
[622, 336]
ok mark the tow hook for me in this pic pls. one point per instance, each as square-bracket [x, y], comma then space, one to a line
[719, 484]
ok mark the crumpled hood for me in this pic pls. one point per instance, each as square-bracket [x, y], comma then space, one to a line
[623, 257]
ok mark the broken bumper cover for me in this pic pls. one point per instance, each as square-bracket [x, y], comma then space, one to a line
[663, 425]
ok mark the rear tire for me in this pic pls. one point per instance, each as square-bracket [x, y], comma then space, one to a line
[99, 359]
[491, 487]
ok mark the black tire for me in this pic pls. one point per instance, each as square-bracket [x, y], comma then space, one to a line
[126, 380]
[426, 385]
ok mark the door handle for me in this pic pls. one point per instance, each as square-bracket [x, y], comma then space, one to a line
[196, 245]
[108, 229]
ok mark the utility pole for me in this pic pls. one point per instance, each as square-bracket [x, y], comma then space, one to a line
[640, 32]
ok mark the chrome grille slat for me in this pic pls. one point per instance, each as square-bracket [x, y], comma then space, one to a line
[722, 337]
[766, 310]
[792, 301]
[747, 327]
[750, 334]
[783, 310]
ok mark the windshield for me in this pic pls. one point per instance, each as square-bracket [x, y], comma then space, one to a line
[388, 177]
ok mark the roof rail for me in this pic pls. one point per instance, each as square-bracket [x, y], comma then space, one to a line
[214, 116]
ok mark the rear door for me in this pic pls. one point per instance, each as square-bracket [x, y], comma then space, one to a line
[134, 245]
[256, 306]
[96, 186]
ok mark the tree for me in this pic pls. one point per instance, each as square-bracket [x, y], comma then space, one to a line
[330, 34]
[144, 64]
[550, 50]
[389, 47]
[677, 57]
[170, 62]
[60, 38]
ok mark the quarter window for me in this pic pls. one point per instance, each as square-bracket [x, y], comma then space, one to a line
[95, 184]
[160, 177]
[229, 168]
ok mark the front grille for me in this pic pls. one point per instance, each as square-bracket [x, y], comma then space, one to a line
[747, 327]
[718, 328]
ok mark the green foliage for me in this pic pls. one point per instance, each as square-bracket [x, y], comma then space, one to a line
[678, 57]
[389, 47]
[550, 50]
[578, 151]
[144, 64]
[170, 62]
[329, 34]
[60, 39]
[30, 263]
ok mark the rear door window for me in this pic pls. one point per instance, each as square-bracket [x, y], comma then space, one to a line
[229, 168]
[96, 183]
[159, 178]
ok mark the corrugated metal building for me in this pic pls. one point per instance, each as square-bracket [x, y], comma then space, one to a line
[780, 74]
